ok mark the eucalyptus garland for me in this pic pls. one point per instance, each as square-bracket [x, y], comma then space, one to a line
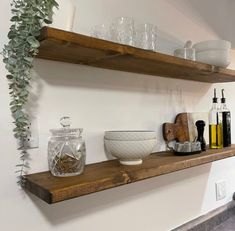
[18, 55]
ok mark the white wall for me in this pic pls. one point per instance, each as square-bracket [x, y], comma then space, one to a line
[95, 99]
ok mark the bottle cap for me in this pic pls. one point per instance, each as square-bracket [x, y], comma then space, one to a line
[223, 100]
[215, 99]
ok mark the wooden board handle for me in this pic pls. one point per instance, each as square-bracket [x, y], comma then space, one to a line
[169, 131]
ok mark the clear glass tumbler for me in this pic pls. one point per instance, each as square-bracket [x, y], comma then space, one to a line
[122, 30]
[146, 36]
[101, 31]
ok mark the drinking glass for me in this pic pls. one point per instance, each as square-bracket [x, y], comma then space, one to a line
[101, 31]
[122, 30]
[146, 36]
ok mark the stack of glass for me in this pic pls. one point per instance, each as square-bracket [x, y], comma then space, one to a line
[124, 30]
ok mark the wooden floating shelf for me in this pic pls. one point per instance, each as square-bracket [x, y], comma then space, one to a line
[110, 174]
[75, 48]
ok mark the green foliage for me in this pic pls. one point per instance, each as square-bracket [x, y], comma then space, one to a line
[18, 55]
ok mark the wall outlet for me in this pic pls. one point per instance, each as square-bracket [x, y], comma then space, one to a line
[32, 140]
[220, 188]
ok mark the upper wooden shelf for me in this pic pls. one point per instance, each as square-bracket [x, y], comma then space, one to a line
[109, 174]
[70, 47]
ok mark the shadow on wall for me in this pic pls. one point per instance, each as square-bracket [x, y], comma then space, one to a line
[168, 43]
[81, 76]
[218, 15]
[152, 189]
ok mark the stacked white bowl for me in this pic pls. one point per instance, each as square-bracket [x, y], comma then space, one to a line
[130, 147]
[214, 52]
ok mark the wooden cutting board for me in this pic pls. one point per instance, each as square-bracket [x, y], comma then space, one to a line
[178, 131]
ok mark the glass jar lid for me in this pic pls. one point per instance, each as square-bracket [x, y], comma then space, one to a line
[66, 130]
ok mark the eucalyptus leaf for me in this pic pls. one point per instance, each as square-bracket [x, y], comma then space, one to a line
[10, 76]
[33, 42]
[11, 34]
[47, 21]
[14, 19]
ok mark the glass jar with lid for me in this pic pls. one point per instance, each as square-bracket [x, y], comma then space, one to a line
[66, 150]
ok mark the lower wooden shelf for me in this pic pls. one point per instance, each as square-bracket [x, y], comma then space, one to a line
[109, 174]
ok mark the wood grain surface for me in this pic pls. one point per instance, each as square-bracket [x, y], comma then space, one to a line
[75, 48]
[109, 174]
[178, 131]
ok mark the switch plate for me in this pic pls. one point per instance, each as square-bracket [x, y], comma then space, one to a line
[220, 188]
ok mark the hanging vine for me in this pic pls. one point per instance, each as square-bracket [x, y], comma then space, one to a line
[18, 55]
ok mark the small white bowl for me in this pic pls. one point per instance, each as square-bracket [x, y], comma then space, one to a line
[220, 58]
[130, 152]
[130, 135]
[212, 44]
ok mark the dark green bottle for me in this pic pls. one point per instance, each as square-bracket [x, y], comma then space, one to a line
[226, 121]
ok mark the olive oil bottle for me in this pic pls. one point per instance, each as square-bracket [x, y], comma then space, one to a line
[215, 125]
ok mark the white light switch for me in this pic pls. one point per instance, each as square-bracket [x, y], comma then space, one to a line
[220, 188]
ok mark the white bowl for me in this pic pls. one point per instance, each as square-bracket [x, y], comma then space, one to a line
[212, 44]
[130, 135]
[220, 58]
[130, 152]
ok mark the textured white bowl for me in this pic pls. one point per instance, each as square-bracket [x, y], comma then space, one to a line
[130, 152]
[130, 135]
[212, 44]
[220, 58]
